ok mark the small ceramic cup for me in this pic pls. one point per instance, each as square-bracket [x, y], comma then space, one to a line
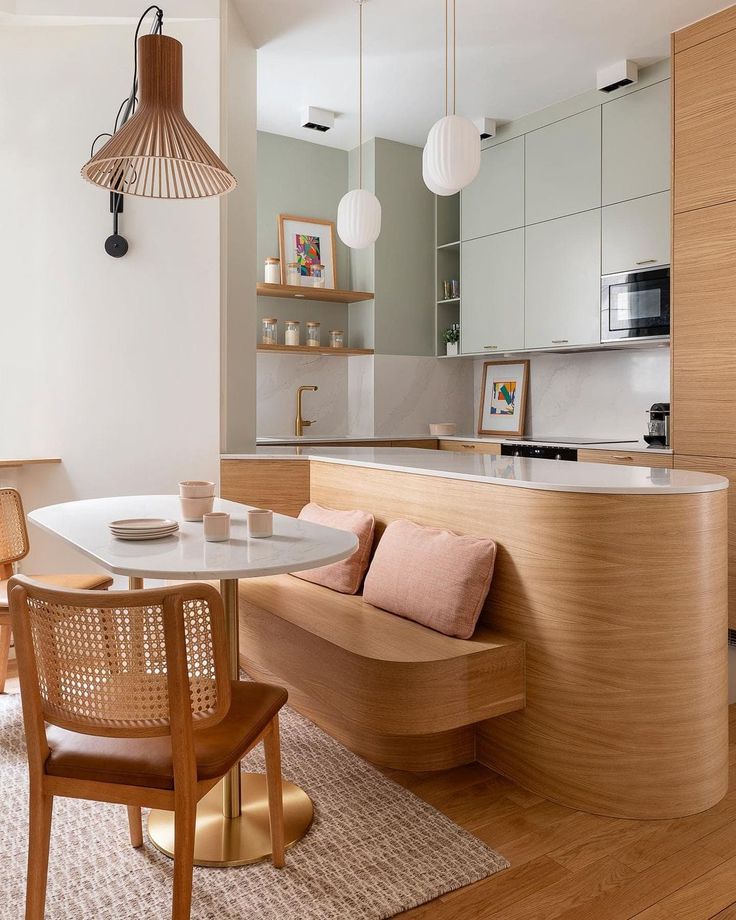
[260, 523]
[216, 526]
[196, 488]
[192, 509]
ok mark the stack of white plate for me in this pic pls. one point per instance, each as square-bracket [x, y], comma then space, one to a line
[143, 528]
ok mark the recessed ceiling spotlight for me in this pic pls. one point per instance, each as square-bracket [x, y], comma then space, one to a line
[317, 119]
[622, 73]
[486, 127]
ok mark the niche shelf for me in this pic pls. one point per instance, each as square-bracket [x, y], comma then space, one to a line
[326, 295]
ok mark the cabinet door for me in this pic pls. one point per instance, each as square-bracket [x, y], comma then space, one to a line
[636, 234]
[494, 200]
[563, 267]
[492, 303]
[704, 136]
[563, 167]
[704, 332]
[636, 144]
[727, 468]
[626, 458]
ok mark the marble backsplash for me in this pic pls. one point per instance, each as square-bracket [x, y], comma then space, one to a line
[592, 394]
[586, 394]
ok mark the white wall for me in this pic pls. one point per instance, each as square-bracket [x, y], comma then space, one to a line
[112, 364]
[592, 394]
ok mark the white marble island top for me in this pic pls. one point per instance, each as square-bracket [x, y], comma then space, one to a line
[519, 472]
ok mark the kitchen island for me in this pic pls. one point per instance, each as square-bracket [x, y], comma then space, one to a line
[615, 578]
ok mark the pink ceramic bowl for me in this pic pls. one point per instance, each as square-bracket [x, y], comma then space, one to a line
[196, 488]
[192, 509]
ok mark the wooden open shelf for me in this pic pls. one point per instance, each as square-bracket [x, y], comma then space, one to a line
[326, 295]
[314, 350]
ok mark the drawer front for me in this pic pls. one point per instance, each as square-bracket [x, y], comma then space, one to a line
[476, 447]
[626, 458]
[423, 443]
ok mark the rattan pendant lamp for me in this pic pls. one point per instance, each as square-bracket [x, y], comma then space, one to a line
[157, 153]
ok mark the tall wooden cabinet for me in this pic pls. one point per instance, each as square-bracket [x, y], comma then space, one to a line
[704, 254]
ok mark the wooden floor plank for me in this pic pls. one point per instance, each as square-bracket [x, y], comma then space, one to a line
[701, 899]
[567, 865]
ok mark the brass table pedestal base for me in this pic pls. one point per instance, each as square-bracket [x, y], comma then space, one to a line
[222, 841]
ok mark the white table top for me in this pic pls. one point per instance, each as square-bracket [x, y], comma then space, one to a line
[295, 545]
[518, 472]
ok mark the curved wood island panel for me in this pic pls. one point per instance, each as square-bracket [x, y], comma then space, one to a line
[620, 600]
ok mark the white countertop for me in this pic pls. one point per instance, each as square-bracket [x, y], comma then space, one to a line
[639, 445]
[520, 472]
[295, 545]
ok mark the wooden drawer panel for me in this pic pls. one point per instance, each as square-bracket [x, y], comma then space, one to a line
[625, 457]
[727, 468]
[425, 443]
[477, 447]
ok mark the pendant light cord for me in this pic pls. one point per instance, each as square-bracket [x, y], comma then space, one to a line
[360, 95]
[454, 59]
[447, 110]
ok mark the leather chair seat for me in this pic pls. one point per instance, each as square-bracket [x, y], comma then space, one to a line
[80, 582]
[147, 761]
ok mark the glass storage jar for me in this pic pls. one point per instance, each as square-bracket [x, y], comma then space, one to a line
[318, 275]
[269, 334]
[337, 338]
[291, 332]
[313, 335]
[272, 272]
[293, 273]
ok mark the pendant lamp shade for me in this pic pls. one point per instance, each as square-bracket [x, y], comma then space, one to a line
[431, 185]
[157, 153]
[359, 218]
[452, 153]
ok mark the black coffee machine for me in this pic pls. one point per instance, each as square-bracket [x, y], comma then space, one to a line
[659, 425]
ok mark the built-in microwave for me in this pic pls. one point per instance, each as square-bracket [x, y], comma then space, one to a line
[635, 304]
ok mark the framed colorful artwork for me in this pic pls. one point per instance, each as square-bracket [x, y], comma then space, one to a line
[503, 397]
[307, 241]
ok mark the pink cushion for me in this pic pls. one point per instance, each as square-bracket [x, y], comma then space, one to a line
[435, 577]
[346, 576]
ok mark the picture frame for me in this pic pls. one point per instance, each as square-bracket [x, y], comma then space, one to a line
[503, 397]
[307, 240]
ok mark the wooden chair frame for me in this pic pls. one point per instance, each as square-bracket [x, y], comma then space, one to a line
[187, 791]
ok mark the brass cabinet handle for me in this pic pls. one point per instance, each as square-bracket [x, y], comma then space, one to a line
[646, 261]
[560, 341]
[621, 457]
[469, 446]
[490, 346]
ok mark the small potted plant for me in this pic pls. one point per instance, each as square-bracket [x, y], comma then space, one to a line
[451, 336]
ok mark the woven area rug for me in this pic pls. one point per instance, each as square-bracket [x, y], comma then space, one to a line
[374, 849]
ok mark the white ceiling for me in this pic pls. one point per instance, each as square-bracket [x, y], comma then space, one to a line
[514, 57]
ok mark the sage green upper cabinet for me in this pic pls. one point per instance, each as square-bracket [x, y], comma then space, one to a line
[494, 200]
[492, 305]
[636, 234]
[563, 167]
[563, 267]
[636, 144]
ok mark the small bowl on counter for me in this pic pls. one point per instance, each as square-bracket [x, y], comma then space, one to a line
[442, 429]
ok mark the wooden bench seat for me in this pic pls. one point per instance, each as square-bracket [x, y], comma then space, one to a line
[395, 692]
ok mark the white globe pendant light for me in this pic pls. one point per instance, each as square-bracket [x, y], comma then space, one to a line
[429, 182]
[359, 218]
[452, 153]
[359, 211]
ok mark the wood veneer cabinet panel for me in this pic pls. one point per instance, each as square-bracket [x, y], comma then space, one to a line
[476, 447]
[281, 485]
[704, 332]
[721, 467]
[705, 29]
[704, 123]
[625, 458]
[622, 603]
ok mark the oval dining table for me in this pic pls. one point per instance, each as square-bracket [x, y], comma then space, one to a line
[232, 819]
